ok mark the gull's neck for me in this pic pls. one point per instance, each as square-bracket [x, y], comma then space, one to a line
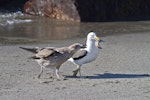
[90, 44]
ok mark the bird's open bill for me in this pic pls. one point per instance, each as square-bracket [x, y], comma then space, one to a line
[101, 40]
[99, 46]
[98, 43]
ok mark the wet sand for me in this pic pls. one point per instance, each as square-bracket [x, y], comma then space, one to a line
[121, 72]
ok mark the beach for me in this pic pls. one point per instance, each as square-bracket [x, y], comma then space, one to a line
[120, 72]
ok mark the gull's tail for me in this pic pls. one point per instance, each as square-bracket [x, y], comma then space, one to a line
[33, 50]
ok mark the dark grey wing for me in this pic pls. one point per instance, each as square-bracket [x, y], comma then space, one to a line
[79, 54]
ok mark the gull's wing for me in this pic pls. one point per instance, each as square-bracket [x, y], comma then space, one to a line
[33, 50]
[79, 54]
[44, 53]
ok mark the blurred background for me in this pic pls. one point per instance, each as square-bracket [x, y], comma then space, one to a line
[64, 19]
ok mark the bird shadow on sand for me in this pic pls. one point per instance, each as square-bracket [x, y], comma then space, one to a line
[112, 76]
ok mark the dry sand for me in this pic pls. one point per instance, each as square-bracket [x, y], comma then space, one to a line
[121, 72]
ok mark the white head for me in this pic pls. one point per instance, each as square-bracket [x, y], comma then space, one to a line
[91, 37]
[93, 40]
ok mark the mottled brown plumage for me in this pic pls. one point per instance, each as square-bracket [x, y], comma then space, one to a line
[51, 57]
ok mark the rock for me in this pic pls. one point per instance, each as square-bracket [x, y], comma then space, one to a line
[82, 10]
[113, 10]
[54, 9]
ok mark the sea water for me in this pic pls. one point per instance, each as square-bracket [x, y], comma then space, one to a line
[18, 25]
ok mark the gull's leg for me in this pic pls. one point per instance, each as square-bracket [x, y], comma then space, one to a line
[41, 71]
[59, 76]
[52, 74]
[79, 72]
[57, 73]
[75, 72]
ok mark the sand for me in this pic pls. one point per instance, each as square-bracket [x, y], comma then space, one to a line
[121, 72]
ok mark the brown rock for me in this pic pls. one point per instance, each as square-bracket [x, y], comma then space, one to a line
[55, 9]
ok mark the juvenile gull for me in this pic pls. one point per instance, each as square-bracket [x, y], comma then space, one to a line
[88, 54]
[51, 57]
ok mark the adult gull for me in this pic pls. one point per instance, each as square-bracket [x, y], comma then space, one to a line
[87, 54]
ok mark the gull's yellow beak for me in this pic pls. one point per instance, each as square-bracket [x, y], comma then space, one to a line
[97, 38]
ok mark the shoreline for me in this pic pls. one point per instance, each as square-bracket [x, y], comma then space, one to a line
[25, 40]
